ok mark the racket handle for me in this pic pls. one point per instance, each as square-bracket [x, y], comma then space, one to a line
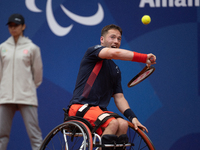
[152, 59]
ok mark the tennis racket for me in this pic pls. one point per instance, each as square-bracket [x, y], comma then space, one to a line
[142, 75]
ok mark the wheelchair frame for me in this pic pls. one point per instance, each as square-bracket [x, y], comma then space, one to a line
[76, 134]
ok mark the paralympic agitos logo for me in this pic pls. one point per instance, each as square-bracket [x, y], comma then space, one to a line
[62, 31]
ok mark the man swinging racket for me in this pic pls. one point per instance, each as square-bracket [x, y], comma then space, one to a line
[99, 79]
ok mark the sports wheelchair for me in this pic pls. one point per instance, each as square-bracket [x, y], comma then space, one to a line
[76, 133]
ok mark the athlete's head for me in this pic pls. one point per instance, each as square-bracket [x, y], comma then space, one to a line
[111, 36]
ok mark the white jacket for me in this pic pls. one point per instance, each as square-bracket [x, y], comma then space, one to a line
[20, 71]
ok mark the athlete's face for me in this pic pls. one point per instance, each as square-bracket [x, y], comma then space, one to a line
[15, 29]
[111, 39]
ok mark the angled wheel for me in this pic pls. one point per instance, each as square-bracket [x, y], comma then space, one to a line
[139, 138]
[70, 135]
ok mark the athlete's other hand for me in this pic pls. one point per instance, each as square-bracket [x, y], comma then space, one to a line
[137, 124]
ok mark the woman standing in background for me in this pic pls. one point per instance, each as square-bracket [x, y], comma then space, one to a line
[20, 74]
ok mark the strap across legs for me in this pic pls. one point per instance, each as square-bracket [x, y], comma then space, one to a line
[102, 118]
[82, 111]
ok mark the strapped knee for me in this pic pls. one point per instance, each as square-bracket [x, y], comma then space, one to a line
[109, 139]
[113, 139]
[123, 139]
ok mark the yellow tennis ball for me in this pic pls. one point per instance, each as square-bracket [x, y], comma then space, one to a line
[146, 19]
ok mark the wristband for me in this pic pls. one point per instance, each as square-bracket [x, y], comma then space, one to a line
[129, 114]
[138, 57]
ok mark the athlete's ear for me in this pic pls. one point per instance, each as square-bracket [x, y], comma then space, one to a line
[102, 39]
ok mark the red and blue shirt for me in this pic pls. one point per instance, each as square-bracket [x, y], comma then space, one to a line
[98, 79]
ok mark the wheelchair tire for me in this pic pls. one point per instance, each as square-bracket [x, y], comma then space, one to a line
[139, 138]
[69, 135]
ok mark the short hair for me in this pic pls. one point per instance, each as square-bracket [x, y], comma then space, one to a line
[108, 27]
